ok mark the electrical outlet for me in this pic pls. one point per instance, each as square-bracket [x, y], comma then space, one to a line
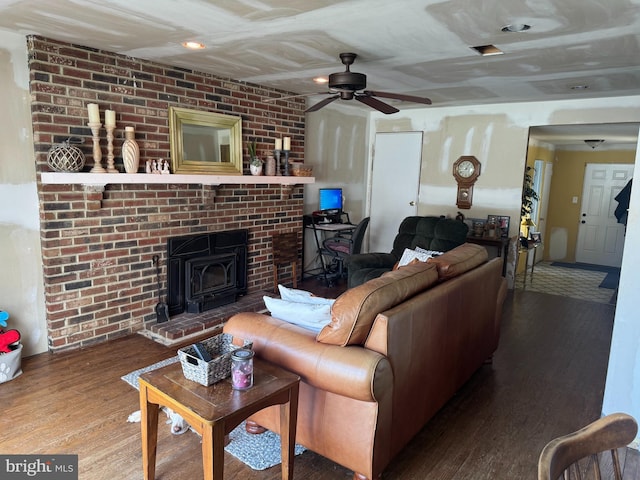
[574, 200]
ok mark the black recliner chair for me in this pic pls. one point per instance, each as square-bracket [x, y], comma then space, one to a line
[431, 233]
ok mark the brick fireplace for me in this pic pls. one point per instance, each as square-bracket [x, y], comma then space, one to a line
[97, 247]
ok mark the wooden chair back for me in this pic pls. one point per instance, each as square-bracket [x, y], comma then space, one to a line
[284, 250]
[572, 456]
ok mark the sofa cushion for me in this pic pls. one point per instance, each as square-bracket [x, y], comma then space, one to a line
[354, 311]
[459, 260]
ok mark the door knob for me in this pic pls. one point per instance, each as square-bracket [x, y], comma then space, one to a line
[583, 221]
[584, 214]
[412, 203]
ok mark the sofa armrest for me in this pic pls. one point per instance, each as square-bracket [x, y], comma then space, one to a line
[370, 260]
[353, 371]
[362, 267]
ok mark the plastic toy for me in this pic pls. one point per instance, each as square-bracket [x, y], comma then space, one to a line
[7, 338]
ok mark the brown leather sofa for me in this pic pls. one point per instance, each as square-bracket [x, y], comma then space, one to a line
[397, 349]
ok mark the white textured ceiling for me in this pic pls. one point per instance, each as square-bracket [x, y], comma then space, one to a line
[418, 47]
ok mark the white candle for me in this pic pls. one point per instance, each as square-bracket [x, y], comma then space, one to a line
[94, 113]
[287, 143]
[278, 144]
[110, 118]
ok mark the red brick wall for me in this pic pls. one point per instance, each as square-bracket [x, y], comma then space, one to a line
[97, 247]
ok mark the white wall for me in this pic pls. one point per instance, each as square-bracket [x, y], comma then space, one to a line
[21, 280]
[335, 145]
[622, 391]
[497, 135]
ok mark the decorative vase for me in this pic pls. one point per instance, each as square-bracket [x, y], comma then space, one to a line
[65, 157]
[271, 166]
[255, 169]
[130, 151]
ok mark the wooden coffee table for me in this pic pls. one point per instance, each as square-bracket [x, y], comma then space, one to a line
[215, 411]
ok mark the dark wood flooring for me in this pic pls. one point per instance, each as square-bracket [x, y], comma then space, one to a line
[547, 379]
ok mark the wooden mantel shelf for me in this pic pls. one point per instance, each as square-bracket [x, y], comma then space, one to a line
[102, 179]
[95, 182]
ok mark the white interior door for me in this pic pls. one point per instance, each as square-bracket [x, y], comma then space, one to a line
[600, 236]
[394, 185]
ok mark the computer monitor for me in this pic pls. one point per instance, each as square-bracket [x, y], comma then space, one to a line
[330, 200]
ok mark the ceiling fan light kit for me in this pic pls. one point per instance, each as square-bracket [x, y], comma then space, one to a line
[350, 85]
[594, 143]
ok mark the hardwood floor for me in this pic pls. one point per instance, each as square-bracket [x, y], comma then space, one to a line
[547, 379]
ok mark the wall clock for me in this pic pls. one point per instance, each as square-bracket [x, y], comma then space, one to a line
[466, 171]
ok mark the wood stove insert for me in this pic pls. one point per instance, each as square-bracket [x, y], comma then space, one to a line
[207, 270]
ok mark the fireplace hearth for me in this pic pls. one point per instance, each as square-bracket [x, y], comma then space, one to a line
[206, 271]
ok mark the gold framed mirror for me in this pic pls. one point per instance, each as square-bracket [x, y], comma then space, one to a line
[205, 142]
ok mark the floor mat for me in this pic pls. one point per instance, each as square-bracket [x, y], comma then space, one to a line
[586, 266]
[611, 281]
[132, 378]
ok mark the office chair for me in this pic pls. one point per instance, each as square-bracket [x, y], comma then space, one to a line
[561, 456]
[340, 246]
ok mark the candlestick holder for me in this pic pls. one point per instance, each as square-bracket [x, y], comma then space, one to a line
[277, 153]
[97, 153]
[286, 162]
[110, 164]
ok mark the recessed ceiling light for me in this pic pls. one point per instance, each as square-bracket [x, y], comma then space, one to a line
[321, 80]
[487, 50]
[193, 45]
[516, 27]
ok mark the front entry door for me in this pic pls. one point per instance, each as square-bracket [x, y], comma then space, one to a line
[600, 236]
[394, 185]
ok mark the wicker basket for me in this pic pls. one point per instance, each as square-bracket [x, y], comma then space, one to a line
[220, 348]
[301, 170]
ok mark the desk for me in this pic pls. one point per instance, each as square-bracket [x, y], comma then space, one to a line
[215, 411]
[320, 229]
[501, 243]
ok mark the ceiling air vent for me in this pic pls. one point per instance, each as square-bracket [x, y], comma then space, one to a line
[488, 50]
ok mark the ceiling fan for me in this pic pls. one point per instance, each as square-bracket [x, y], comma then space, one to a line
[348, 85]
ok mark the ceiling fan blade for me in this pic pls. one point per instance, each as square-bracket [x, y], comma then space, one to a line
[398, 96]
[377, 104]
[321, 104]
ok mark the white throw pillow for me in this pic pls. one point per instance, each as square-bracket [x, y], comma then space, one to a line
[302, 296]
[312, 316]
[419, 254]
[432, 253]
